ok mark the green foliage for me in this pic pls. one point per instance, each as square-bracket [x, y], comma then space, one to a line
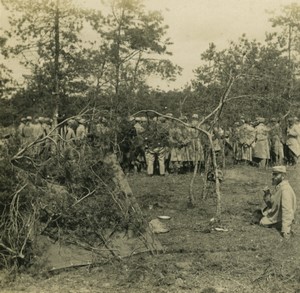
[46, 33]
[107, 72]
[288, 40]
[259, 74]
[132, 45]
[289, 22]
[7, 113]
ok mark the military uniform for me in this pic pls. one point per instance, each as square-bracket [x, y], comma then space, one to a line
[292, 140]
[276, 146]
[280, 208]
[246, 141]
[156, 140]
[195, 147]
[261, 149]
[175, 142]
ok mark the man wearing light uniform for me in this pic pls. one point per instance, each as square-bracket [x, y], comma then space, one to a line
[280, 207]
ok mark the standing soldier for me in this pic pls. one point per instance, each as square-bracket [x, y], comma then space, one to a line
[276, 147]
[20, 130]
[297, 126]
[70, 133]
[38, 128]
[234, 140]
[81, 130]
[261, 149]
[81, 135]
[175, 145]
[70, 138]
[128, 145]
[38, 133]
[138, 126]
[156, 140]
[246, 140]
[292, 140]
[28, 130]
[196, 149]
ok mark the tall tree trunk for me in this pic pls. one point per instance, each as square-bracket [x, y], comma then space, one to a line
[56, 62]
[290, 65]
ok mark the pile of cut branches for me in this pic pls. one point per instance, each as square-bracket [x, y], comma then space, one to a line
[79, 198]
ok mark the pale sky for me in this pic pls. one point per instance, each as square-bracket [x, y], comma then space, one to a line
[193, 24]
[196, 23]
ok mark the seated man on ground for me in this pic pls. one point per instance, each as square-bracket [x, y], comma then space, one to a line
[280, 207]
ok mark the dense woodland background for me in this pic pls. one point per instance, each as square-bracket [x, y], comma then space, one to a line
[110, 72]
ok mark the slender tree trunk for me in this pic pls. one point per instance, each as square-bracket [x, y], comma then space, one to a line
[207, 164]
[191, 193]
[290, 87]
[217, 185]
[56, 63]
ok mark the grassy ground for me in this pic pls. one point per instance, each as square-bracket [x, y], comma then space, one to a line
[243, 258]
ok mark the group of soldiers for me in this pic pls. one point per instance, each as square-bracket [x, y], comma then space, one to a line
[167, 144]
[263, 142]
[163, 145]
[30, 130]
[175, 148]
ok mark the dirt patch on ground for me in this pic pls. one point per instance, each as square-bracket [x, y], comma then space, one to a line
[197, 258]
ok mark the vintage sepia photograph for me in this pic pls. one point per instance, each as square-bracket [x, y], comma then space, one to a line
[149, 146]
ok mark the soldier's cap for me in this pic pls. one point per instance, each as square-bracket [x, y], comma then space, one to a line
[137, 118]
[47, 119]
[291, 119]
[169, 114]
[81, 121]
[195, 116]
[41, 119]
[296, 118]
[273, 119]
[227, 133]
[29, 118]
[143, 119]
[71, 122]
[260, 119]
[23, 119]
[131, 118]
[279, 169]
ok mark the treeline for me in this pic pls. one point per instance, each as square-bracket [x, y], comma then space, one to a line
[69, 71]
